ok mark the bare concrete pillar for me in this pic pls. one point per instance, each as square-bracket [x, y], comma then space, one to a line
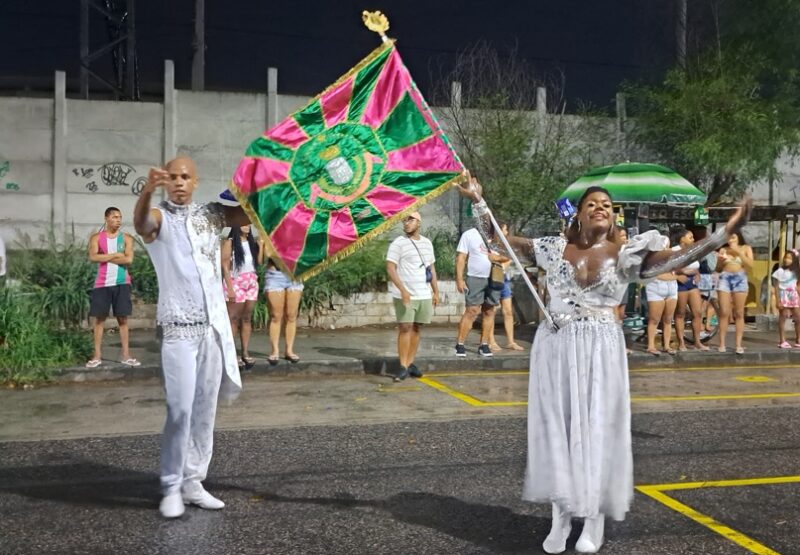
[170, 119]
[272, 97]
[455, 95]
[622, 118]
[541, 100]
[59, 214]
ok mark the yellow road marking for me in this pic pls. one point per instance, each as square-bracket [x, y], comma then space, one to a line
[727, 532]
[489, 373]
[715, 368]
[754, 379]
[452, 392]
[740, 396]
[725, 483]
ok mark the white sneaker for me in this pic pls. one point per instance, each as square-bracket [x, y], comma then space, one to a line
[200, 497]
[171, 506]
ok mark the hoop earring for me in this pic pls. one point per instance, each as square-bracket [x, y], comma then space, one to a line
[579, 226]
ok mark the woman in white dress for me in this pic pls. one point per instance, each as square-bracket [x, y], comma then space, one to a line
[579, 439]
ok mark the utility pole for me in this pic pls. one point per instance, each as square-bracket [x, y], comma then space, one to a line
[120, 23]
[199, 46]
[680, 33]
[131, 84]
[84, 51]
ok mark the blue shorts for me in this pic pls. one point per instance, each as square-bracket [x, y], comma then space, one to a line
[733, 282]
[278, 281]
[505, 293]
[688, 286]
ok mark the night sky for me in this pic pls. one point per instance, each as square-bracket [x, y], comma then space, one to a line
[596, 43]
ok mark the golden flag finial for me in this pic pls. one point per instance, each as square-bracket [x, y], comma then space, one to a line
[377, 22]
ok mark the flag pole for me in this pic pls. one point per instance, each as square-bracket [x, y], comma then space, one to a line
[499, 233]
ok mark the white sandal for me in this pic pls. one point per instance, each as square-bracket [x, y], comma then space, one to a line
[94, 363]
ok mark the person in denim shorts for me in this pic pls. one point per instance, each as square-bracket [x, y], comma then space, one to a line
[688, 292]
[283, 299]
[735, 258]
[662, 297]
[506, 302]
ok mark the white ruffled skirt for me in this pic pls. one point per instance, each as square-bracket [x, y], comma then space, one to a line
[579, 420]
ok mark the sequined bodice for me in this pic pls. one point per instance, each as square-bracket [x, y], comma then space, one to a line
[570, 299]
[566, 294]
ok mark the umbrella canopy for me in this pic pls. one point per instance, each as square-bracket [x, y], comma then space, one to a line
[634, 182]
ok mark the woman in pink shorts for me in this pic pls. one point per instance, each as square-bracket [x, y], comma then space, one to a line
[239, 256]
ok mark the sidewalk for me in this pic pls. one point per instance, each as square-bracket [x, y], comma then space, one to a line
[372, 350]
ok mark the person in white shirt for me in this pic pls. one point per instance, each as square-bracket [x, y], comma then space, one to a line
[473, 253]
[414, 289]
[784, 287]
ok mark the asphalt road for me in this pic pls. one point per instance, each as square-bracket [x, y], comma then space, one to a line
[439, 486]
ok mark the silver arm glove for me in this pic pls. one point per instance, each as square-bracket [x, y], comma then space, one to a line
[685, 256]
[523, 247]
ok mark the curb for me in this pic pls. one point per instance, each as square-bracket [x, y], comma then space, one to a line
[383, 366]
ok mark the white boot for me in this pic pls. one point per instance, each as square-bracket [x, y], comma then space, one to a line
[556, 541]
[591, 539]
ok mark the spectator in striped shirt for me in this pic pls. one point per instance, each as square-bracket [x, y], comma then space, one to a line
[112, 249]
[414, 289]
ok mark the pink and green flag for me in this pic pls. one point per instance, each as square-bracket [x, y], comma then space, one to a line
[355, 160]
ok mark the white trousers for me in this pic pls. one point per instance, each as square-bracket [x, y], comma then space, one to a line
[192, 374]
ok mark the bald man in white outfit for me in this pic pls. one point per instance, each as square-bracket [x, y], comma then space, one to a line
[198, 355]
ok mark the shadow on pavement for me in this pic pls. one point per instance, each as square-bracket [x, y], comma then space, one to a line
[491, 526]
[109, 486]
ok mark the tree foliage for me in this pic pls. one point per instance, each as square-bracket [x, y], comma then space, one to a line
[726, 117]
[523, 158]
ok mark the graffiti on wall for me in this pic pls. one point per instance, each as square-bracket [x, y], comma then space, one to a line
[5, 167]
[112, 177]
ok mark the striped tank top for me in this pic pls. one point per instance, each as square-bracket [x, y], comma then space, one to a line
[109, 274]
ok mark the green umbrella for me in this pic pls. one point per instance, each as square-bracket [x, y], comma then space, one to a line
[634, 182]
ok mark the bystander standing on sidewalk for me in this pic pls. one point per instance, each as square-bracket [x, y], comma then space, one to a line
[473, 253]
[735, 259]
[112, 249]
[688, 292]
[506, 301]
[240, 253]
[414, 289]
[283, 301]
[662, 296]
[784, 282]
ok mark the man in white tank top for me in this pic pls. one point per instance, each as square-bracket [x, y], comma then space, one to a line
[198, 356]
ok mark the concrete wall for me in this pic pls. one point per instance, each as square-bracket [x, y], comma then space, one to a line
[63, 161]
[26, 163]
[370, 309]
